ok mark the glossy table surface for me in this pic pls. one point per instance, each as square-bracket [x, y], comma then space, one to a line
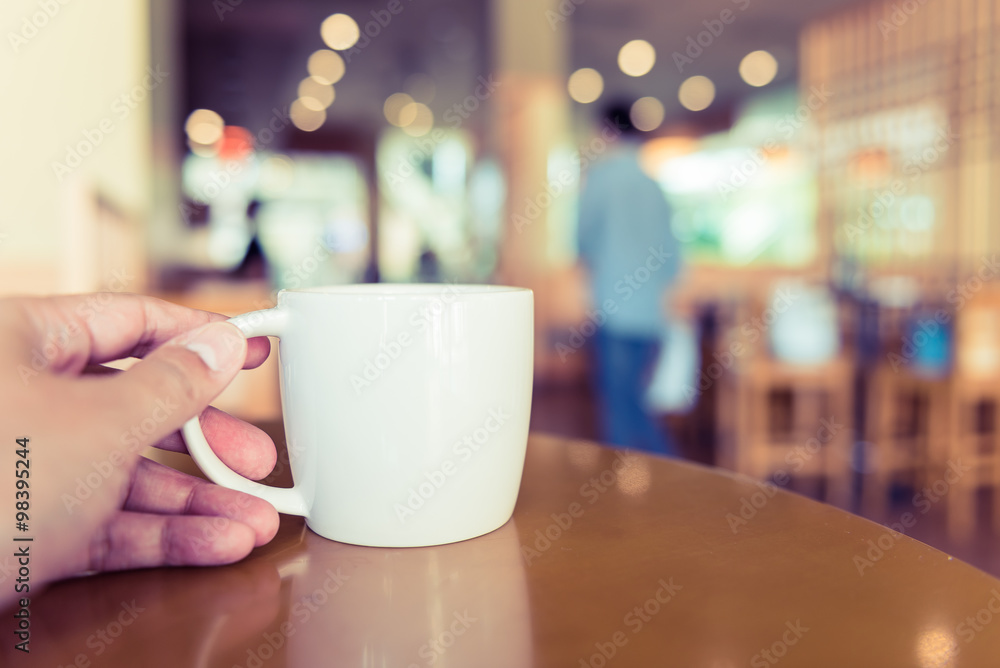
[611, 559]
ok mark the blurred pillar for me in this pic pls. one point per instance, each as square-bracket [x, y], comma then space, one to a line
[74, 181]
[167, 229]
[530, 55]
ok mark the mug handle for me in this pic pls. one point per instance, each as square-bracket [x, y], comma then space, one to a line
[269, 322]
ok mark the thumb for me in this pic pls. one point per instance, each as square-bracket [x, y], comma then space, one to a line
[178, 380]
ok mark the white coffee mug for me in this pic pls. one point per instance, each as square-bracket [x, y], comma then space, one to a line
[406, 409]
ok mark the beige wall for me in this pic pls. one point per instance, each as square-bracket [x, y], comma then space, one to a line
[72, 79]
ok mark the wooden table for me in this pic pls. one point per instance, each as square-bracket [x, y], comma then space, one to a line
[611, 559]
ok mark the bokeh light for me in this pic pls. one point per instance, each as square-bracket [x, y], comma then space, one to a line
[936, 648]
[236, 143]
[418, 119]
[305, 118]
[339, 31]
[758, 68]
[326, 66]
[585, 85]
[646, 113]
[393, 107]
[203, 150]
[656, 153]
[204, 126]
[636, 57]
[696, 93]
[277, 173]
[315, 94]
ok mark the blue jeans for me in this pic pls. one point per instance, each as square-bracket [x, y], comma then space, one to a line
[622, 370]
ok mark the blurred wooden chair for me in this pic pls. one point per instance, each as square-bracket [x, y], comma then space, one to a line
[974, 436]
[907, 411]
[794, 403]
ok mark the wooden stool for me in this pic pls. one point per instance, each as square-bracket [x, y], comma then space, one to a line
[974, 439]
[798, 421]
[906, 424]
[974, 405]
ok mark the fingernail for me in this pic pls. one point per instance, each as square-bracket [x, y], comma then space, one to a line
[219, 345]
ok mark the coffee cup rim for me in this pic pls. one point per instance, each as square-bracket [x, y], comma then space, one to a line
[404, 290]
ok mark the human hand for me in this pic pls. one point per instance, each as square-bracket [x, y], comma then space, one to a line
[95, 504]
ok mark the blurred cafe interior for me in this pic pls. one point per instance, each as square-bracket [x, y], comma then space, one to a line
[831, 167]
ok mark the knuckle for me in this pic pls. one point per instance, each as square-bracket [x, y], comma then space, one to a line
[100, 549]
[170, 547]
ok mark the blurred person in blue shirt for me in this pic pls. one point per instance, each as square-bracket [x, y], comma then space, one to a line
[631, 257]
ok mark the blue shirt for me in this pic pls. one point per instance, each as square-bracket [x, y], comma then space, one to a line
[626, 243]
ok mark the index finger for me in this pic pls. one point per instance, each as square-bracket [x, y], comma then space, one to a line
[72, 331]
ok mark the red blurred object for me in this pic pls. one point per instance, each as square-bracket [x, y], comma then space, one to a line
[236, 143]
[871, 165]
